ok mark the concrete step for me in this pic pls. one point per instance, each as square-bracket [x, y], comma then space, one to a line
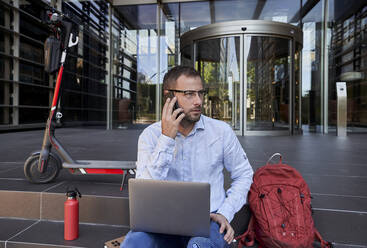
[25, 233]
[94, 207]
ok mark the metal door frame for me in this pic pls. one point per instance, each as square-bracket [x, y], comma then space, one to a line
[244, 29]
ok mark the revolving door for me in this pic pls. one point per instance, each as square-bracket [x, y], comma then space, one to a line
[252, 71]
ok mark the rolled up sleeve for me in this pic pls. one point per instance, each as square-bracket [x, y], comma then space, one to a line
[154, 156]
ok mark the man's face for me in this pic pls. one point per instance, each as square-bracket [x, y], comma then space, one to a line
[191, 103]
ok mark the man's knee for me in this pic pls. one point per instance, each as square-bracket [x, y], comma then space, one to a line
[199, 242]
[137, 239]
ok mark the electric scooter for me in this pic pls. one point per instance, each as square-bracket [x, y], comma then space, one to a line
[44, 166]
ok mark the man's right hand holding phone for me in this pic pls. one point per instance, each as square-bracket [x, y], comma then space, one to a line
[171, 118]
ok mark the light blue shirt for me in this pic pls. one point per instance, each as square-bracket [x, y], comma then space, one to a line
[198, 157]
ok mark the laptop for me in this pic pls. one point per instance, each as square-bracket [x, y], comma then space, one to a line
[170, 207]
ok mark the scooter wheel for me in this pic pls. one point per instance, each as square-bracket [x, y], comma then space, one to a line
[32, 173]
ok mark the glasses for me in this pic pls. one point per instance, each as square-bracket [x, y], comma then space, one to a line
[192, 93]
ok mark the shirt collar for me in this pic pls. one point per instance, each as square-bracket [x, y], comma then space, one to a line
[199, 125]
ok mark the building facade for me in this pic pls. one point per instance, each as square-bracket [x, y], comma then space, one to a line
[114, 76]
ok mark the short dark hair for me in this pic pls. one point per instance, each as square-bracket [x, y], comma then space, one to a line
[169, 80]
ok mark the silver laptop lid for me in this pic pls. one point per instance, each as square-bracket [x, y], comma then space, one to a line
[170, 207]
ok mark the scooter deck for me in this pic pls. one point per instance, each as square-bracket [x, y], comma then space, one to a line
[101, 164]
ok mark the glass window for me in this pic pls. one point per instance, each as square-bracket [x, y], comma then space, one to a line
[194, 14]
[6, 67]
[5, 116]
[31, 52]
[4, 93]
[127, 62]
[39, 96]
[3, 12]
[30, 73]
[218, 61]
[271, 10]
[236, 10]
[27, 25]
[6, 42]
[33, 115]
[186, 56]
[267, 75]
[348, 61]
[126, 85]
[297, 68]
[169, 40]
[71, 100]
[138, 45]
[280, 11]
[311, 70]
[84, 96]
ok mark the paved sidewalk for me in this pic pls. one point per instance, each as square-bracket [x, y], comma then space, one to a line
[335, 169]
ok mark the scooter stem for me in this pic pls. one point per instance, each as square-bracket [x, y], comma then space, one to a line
[47, 139]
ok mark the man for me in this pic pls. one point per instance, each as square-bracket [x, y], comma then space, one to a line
[188, 146]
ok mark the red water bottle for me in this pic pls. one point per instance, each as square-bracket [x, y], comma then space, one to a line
[71, 215]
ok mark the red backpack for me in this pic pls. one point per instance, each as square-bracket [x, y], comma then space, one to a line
[280, 202]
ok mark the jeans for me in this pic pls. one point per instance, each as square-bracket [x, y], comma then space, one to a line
[155, 240]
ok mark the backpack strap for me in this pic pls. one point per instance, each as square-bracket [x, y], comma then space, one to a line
[248, 238]
[272, 156]
[324, 244]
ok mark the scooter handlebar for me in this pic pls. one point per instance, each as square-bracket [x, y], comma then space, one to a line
[59, 19]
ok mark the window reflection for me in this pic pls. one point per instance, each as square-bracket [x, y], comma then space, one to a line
[6, 67]
[5, 115]
[33, 115]
[267, 83]
[218, 62]
[84, 96]
[39, 95]
[169, 40]
[135, 83]
[280, 11]
[348, 62]
[195, 14]
[6, 41]
[297, 90]
[311, 70]
[186, 56]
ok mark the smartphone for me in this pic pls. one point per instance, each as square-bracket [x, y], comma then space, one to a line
[171, 96]
[176, 106]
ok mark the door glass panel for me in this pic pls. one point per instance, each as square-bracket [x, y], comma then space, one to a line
[297, 67]
[267, 72]
[218, 61]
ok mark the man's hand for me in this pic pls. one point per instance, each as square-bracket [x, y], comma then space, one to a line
[170, 121]
[224, 225]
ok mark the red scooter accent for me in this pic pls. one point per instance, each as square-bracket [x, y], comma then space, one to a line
[71, 215]
[105, 171]
[57, 88]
